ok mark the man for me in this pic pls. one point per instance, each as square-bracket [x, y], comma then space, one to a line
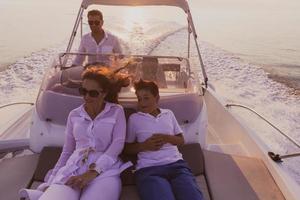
[98, 41]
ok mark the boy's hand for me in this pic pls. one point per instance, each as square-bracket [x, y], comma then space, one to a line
[153, 143]
[162, 137]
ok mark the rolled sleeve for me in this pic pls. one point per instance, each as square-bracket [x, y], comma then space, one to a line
[80, 58]
[110, 156]
[117, 46]
[130, 136]
[177, 128]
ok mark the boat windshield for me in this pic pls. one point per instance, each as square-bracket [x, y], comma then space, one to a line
[170, 73]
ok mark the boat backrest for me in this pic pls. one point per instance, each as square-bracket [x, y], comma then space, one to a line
[55, 107]
[192, 154]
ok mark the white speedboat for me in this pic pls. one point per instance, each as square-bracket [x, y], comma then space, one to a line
[228, 159]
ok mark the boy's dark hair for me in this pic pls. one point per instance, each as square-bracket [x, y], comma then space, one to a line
[95, 13]
[150, 86]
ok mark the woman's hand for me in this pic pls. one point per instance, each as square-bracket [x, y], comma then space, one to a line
[82, 180]
[43, 187]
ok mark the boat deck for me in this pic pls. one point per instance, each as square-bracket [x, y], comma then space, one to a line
[214, 143]
[220, 176]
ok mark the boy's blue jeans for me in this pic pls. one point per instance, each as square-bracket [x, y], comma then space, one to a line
[173, 181]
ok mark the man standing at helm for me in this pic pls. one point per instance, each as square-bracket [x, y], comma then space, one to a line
[98, 41]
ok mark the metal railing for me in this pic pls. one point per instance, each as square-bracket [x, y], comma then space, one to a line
[16, 103]
[272, 155]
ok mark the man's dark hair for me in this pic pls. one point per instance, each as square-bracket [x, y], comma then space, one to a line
[95, 13]
[150, 86]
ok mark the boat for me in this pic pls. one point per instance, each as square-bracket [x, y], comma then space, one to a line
[227, 157]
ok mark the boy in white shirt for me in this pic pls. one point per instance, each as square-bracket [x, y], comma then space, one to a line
[153, 134]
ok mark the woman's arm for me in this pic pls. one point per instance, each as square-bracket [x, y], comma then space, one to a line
[110, 156]
[80, 58]
[117, 47]
[67, 151]
[151, 144]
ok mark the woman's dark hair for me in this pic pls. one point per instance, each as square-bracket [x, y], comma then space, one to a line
[150, 86]
[110, 82]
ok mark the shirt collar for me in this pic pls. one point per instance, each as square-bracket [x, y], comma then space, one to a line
[162, 112]
[85, 115]
[105, 35]
[103, 39]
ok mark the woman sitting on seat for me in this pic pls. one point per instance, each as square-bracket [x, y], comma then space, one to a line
[88, 167]
[153, 133]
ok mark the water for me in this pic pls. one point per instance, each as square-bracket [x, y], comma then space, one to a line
[250, 49]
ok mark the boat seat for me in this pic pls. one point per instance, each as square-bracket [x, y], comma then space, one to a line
[65, 90]
[192, 153]
[220, 175]
[186, 108]
[129, 192]
[16, 173]
[239, 177]
[55, 107]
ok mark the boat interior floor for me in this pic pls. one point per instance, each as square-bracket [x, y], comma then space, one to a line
[220, 176]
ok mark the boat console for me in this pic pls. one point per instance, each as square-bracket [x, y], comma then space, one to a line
[178, 92]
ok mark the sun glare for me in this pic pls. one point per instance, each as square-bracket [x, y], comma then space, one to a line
[133, 17]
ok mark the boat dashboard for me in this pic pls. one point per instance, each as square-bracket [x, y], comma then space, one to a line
[172, 74]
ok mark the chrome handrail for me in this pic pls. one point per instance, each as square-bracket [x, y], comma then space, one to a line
[272, 155]
[16, 103]
[60, 55]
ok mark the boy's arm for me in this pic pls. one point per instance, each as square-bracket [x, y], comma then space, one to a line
[176, 137]
[172, 139]
[151, 144]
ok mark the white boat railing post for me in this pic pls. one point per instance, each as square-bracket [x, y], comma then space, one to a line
[192, 26]
[189, 38]
[275, 157]
[81, 27]
[74, 31]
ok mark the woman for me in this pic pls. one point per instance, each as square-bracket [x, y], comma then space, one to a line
[88, 167]
[153, 133]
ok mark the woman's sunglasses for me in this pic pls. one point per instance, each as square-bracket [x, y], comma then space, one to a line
[92, 93]
[96, 23]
